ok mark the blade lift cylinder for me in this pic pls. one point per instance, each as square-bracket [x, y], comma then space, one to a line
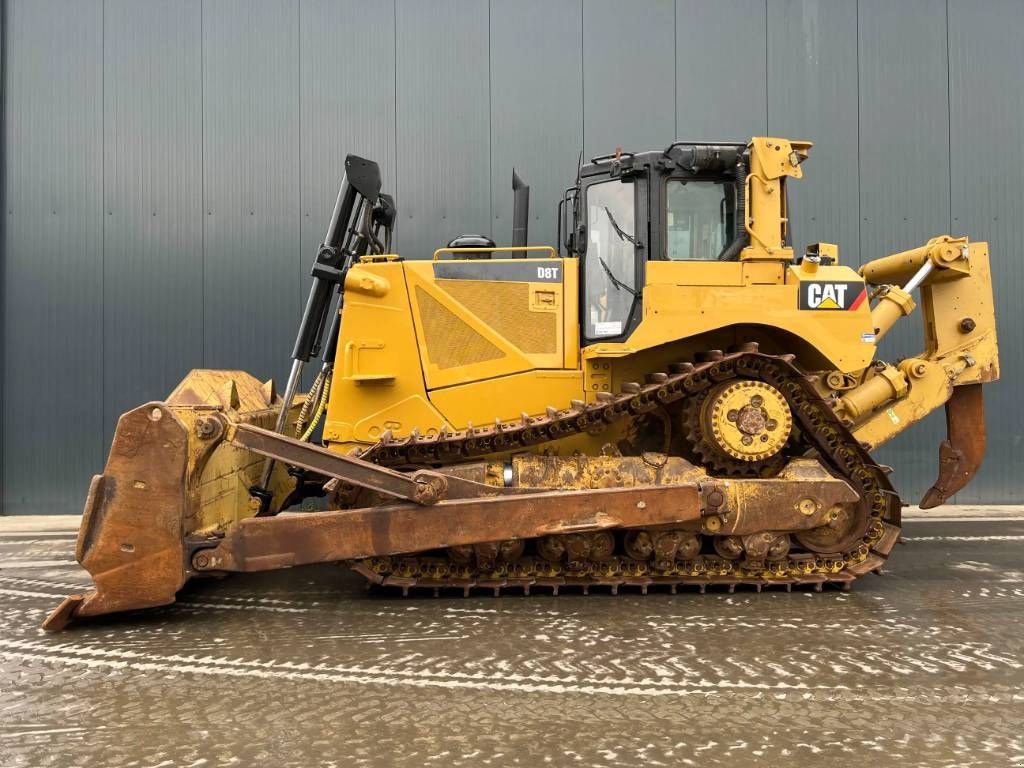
[345, 240]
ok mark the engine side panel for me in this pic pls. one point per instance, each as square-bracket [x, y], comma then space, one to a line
[485, 318]
[429, 344]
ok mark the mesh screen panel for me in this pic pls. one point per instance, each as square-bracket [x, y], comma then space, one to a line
[450, 341]
[505, 307]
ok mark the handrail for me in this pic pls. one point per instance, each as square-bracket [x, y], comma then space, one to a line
[503, 249]
[724, 144]
[598, 159]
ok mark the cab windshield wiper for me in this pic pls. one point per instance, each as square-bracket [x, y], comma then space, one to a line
[619, 285]
[623, 235]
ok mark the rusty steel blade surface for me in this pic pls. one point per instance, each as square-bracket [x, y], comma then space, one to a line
[259, 544]
[131, 536]
[961, 453]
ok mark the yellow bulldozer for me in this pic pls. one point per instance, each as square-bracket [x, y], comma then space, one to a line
[670, 396]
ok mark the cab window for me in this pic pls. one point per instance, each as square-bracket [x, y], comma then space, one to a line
[610, 260]
[699, 219]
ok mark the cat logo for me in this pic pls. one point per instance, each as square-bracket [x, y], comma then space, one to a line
[834, 296]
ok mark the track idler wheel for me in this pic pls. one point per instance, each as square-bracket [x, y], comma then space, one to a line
[757, 547]
[488, 554]
[847, 524]
[581, 548]
[663, 547]
[639, 545]
[729, 547]
[551, 548]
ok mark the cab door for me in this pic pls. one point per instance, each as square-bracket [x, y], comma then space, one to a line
[614, 242]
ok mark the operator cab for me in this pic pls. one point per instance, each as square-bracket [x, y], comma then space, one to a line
[680, 204]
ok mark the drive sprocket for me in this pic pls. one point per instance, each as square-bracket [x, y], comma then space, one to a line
[739, 428]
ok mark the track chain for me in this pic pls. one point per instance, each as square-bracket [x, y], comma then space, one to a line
[820, 428]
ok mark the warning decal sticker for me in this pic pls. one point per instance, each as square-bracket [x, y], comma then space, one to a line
[842, 296]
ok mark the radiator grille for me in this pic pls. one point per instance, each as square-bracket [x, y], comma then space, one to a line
[505, 307]
[450, 342]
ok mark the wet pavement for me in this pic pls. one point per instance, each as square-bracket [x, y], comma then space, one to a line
[923, 666]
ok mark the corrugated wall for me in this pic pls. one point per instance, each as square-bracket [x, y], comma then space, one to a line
[53, 254]
[169, 166]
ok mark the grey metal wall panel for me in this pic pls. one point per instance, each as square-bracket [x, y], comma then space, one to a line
[536, 109]
[250, 183]
[628, 75]
[153, 275]
[904, 179]
[443, 119]
[347, 106]
[986, 134]
[52, 255]
[123, 118]
[812, 94]
[720, 69]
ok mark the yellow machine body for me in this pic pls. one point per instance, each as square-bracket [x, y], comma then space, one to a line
[420, 350]
[445, 345]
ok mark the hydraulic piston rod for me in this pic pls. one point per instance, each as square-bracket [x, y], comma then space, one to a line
[889, 382]
[895, 303]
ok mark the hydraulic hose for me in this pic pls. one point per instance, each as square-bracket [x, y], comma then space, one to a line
[311, 399]
[321, 407]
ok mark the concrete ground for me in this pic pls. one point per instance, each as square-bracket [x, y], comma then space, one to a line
[923, 666]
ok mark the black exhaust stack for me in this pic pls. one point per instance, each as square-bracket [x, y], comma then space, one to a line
[520, 212]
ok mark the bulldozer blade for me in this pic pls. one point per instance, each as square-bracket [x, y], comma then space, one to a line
[131, 535]
[169, 474]
[961, 453]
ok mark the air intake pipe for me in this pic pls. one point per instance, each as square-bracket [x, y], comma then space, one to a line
[740, 239]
